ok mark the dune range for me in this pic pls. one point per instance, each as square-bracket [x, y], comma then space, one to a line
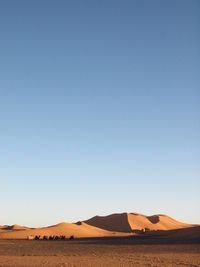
[122, 224]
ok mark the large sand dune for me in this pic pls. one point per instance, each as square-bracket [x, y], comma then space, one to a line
[128, 222]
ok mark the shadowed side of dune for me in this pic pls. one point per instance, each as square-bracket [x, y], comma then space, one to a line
[153, 219]
[184, 233]
[113, 222]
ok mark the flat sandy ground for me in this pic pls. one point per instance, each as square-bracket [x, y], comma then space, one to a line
[88, 254]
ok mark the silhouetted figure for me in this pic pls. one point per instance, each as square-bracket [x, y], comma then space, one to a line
[45, 237]
[144, 230]
[37, 237]
[71, 237]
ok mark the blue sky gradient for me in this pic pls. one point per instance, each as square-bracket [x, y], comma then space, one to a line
[99, 109]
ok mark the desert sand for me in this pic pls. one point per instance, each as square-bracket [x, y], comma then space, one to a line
[23, 253]
[104, 241]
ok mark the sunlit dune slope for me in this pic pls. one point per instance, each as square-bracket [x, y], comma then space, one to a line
[155, 222]
[67, 229]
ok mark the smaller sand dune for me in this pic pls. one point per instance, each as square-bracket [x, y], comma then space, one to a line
[66, 229]
[10, 228]
[15, 227]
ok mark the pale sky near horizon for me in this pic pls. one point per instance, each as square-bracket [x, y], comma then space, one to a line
[99, 109]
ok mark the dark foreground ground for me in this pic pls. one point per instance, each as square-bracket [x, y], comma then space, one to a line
[99, 252]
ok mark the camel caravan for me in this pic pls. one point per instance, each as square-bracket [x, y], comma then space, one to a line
[56, 237]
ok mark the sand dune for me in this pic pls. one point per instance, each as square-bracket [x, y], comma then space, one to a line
[155, 222]
[10, 228]
[14, 227]
[128, 222]
[67, 229]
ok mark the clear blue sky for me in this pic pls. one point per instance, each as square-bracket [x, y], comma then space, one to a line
[99, 109]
